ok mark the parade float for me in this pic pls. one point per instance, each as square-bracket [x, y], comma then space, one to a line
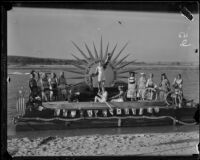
[83, 112]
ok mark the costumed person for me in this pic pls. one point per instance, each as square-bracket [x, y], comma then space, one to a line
[100, 72]
[35, 101]
[101, 97]
[132, 87]
[62, 87]
[141, 86]
[119, 97]
[151, 85]
[45, 88]
[39, 82]
[164, 87]
[32, 81]
[178, 89]
[53, 81]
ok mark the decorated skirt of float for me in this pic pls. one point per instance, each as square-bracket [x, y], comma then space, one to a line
[69, 112]
[88, 110]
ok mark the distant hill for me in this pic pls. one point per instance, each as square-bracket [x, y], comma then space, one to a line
[23, 60]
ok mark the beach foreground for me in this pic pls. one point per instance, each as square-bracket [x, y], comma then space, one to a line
[178, 143]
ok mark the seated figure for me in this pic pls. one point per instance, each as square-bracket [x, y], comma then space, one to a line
[35, 100]
[118, 97]
[101, 97]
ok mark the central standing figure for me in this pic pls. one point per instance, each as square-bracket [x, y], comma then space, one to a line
[100, 71]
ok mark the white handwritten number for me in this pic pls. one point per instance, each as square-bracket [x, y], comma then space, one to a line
[184, 42]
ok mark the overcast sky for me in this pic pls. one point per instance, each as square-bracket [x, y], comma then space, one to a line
[48, 33]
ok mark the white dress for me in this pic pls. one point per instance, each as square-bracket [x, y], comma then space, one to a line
[104, 96]
[141, 87]
[101, 73]
[132, 87]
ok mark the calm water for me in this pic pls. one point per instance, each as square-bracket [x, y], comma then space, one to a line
[190, 79]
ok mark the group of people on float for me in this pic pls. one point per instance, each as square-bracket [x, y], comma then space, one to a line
[136, 89]
[49, 89]
[53, 88]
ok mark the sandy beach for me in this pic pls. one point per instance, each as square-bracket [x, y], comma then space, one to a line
[179, 143]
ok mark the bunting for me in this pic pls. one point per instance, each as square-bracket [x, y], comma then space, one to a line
[104, 113]
[119, 111]
[95, 112]
[156, 109]
[73, 114]
[81, 113]
[64, 113]
[126, 110]
[133, 111]
[150, 110]
[89, 112]
[141, 111]
[57, 112]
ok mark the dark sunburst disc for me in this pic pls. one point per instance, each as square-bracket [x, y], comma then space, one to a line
[113, 71]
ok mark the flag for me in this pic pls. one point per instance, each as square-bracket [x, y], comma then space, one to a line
[133, 111]
[95, 112]
[73, 113]
[149, 110]
[141, 111]
[119, 111]
[105, 113]
[57, 112]
[89, 112]
[126, 110]
[20, 106]
[64, 113]
[81, 113]
[156, 109]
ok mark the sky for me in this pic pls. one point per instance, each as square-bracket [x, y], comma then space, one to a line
[151, 37]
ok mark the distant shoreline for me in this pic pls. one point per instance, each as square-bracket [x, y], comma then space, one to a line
[136, 66]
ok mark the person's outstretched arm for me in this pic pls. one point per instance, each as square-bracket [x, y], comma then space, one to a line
[107, 61]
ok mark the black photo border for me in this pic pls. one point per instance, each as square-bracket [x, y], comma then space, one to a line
[153, 6]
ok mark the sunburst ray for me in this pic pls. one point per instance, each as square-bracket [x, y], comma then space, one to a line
[124, 65]
[78, 66]
[90, 53]
[77, 77]
[124, 71]
[78, 59]
[119, 53]
[101, 49]
[120, 61]
[112, 52]
[74, 71]
[106, 52]
[83, 54]
[95, 51]
[117, 64]
[123, 77]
